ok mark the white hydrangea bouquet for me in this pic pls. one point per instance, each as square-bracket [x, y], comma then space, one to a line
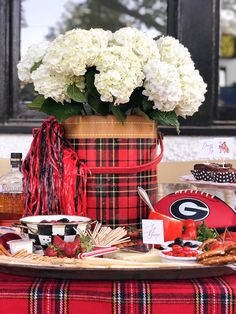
[116, 73]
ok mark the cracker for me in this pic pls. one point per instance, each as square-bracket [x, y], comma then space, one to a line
[219, 260]
[209, 254]
[20, 253]
[4, 251]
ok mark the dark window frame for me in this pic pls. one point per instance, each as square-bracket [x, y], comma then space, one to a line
[187, 20]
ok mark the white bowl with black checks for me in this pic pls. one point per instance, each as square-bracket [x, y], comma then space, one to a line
[43, 228]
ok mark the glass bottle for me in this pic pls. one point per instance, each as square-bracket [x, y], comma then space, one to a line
[11, 187]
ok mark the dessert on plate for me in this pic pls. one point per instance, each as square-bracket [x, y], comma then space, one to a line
[216, 172]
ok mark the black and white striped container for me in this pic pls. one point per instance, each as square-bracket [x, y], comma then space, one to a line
[43, 228]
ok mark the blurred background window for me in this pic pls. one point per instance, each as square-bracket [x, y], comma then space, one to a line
[206, 27]
[226, 109]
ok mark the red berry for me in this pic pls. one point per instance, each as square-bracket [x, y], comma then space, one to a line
[50, 251]
[177, 248]
[194, 253]
[169, 253]
[71, 248]
[59, 243]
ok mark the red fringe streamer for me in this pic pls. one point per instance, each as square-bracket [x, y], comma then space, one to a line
[54, 177]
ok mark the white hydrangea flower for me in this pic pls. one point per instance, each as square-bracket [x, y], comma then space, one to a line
[120, 73]
[125, 60]
[193, 88]
[99, 42]
[33, 55]
[173, 52]
[71, 53]
[54, 85]
[191, 83]
[162, 85]
[79, 81]
[142, 45]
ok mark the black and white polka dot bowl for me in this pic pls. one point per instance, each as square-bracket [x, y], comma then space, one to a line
[225, 177]
[43, 228]
[203, 175]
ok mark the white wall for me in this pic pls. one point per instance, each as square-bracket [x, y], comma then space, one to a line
[177, 148]
[14, 143]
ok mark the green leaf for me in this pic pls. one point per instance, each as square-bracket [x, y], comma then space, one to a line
[89, 78]
[98, 106]
[75, 93]
[35, 66]
[139, 112]
[204, 232]
[124, 107]
[59, 111]
[146, 104]
[93, 95]
[37, 103]
[136, 98]
[164, 118]
[118, 113]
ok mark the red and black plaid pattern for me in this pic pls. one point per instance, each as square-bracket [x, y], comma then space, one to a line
[27, 295]
[113, 198]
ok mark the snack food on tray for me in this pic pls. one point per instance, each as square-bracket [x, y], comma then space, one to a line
[106, 236]
[218, 257]
[217, 252]
[60, 248]
[180, 251]
[3, 251]
[189, 243]
[215, 172]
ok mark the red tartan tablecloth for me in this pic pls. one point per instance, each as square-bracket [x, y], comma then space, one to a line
[36, 295]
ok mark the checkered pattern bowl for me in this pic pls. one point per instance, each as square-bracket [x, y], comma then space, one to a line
[43, 228]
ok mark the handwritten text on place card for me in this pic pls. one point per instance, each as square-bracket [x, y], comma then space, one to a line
[216, 148]
[152, 231]
[206, 149]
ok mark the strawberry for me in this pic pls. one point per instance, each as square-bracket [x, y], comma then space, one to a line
[71, 248]
[59, 243]
[50, 251]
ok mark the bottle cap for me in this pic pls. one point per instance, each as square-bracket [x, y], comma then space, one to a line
[16, 155]
[16, 160]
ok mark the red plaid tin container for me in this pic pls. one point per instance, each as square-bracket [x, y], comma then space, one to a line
[121, 157]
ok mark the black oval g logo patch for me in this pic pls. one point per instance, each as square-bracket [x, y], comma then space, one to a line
[189, 208]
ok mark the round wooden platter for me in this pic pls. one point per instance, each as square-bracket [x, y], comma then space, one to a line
[109, 269]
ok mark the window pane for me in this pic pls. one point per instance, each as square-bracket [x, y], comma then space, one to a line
[45, 20]
[227, 63]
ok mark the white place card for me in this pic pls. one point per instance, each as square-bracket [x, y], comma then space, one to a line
[206, 149]
[153, 231]
[221, 148]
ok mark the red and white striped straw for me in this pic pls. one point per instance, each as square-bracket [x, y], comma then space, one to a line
[98, 252]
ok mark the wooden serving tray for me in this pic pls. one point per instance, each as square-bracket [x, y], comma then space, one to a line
[107, 269]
